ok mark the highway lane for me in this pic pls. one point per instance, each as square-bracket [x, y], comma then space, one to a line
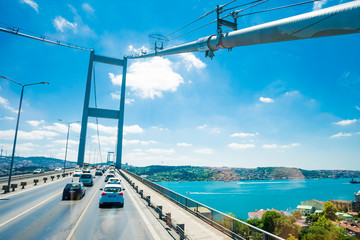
[51, 220]
[56, 219]
[113, 223]
[15, 203]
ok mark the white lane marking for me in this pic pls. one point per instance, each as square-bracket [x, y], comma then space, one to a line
[30, 209]
[147, 223]
[73, 230]
[11, 194]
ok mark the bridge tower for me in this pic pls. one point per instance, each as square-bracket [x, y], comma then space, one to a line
[103, 113]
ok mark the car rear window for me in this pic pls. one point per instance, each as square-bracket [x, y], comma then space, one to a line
[86, 176]
[72, 186]
[110, 175]
[112, 189]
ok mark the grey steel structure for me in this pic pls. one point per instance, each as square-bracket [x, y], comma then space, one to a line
[102, 113]
[337, 20]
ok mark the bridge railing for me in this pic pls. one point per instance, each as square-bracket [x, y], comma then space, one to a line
[231, 226]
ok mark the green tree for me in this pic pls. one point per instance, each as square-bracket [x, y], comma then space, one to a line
[330, 211]
[312, 218]
[286, 227]
[291, 237]
[297, 214]
[268, 220]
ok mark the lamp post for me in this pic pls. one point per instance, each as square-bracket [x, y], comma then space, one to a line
[67, 139]
[17, 122]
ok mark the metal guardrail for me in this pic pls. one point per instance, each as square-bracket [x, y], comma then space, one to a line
[4, 179]
[231, 226]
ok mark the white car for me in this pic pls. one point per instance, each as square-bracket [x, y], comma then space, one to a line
[59, 169]
[77, 173]
[112, 194]
[114, 181]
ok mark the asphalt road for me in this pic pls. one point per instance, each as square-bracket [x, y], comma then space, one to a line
[41, 214]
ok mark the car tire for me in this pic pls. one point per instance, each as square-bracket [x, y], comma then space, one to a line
[100, 205]
[121, 205]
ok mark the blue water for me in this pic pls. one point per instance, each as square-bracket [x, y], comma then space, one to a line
[242, 197]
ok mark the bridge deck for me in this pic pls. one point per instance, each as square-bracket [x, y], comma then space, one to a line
[195, 228]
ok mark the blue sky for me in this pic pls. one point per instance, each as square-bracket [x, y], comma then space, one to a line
[292, 104]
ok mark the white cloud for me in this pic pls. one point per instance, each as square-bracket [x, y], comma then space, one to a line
[135, 142]
[32, 135]
[184, 144]
[150, 78]
[215, 131]
[87, 8]
[35, 123]
[160, 151]
[61, 24]
[57, 127]
[319, 4]
[159, 128]
[202, 127]
[241, 146]
[276, 146]
[32, 4]
[270, 146]
[266, 100]
[116, 96]
[103, 129]
[205, 151]
[341, 134]
[5, 103]
[140, 51]
[133, 129]
[244, 134]
[191, 61]
[75, 127]
[7, 118]
[63, 142]
[346, 122]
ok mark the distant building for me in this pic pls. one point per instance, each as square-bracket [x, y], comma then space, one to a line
[304, 209]
[357, 196]
[318, 205]
[346, 206]
[352, 227]
[260, 213]
[344, 216]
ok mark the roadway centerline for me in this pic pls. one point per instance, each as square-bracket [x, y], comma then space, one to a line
[27, 211]
[73, 230]
[147, 223]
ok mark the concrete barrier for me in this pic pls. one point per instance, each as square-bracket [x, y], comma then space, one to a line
[6, 188]
[13, 186]
[23, 184]
[36, 181]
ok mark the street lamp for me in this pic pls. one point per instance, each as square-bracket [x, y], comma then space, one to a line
[67, 138]
[18, 118]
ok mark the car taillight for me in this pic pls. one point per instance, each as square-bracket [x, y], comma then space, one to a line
[121, 194]
[103, 194]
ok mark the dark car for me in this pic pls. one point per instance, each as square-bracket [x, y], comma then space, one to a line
[98, 173]
[73, 191]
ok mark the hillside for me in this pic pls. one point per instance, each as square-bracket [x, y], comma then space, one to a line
[190, 173]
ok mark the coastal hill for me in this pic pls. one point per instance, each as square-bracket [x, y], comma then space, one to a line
[191, 173]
